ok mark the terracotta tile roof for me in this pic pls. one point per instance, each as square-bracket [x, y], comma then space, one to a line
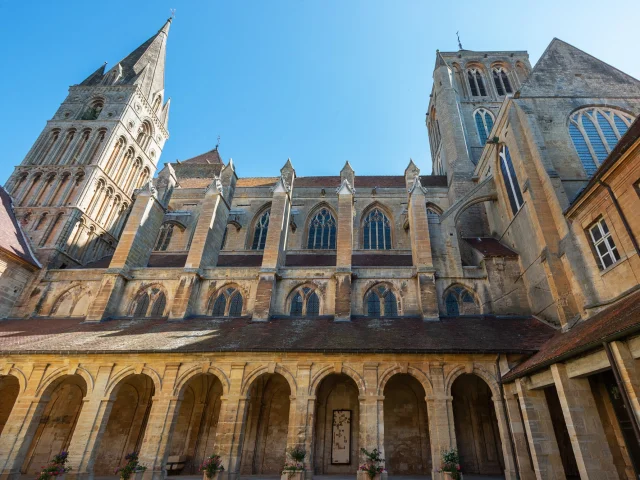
[490, 247]
[239, 260]
[257, 181]
[619, 320]
[194, 182]
[402, 335]
[12, 238]
[317, 182]
[381, 260]
[210, 157]
[311, 260]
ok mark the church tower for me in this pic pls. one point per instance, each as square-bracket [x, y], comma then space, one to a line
[468, 90]
[73, 190]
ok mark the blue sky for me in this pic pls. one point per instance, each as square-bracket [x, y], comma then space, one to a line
[319, 81]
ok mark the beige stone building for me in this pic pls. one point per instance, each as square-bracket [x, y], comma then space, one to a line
[491, 306]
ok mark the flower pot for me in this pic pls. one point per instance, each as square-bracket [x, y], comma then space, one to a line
[292, 475]
[362, 475]
[215, 476]
[449, 476]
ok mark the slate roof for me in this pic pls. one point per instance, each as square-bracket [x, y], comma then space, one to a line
[12, 239]
[621, 319]
[210, 157]
[485, 334]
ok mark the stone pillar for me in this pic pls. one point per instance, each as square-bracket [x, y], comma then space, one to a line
[133, 250]
[587, 435]
[301, 414]
[275, 245]
[160, 424]
[230, 431]
[629, 374]
[542, 439]
[421, 246]
[440, 413]
[505, 440]
[21, 426]
[344, 249]
[90, 427]
[518, 433]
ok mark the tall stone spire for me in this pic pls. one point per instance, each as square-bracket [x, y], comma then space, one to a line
[144, 66]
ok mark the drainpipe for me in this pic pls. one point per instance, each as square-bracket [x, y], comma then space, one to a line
[623, 390]
[622, 216]
[506, 418]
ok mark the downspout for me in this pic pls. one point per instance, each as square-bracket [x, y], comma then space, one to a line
[623, 390]
[506, 418]
[622, 216]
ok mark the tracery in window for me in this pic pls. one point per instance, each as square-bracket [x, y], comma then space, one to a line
[380, 301]
[150, 302]
[228, 303]
[501, 80]
[260, 231]
[476, 83]
[484, 124]
[595, 131]
[164, 237]
[322, 231]
[376, 231]
[460, 301]
[510, 180]
[304, 302]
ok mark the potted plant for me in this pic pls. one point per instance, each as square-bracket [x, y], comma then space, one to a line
[373, 467]
[294, 469]
[450, 467]
[132, 467]
[57, 467]
[211, 467]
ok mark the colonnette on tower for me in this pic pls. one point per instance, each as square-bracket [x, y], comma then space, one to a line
[491, 306]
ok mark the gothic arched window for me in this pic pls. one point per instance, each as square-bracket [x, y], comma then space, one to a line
[510, 180]
[164, 237]
[484, 124]
[322, 231]
[304, 302]
[228, 303]
[595, 131]
[459, 301]
[149, 303]
[502, 82]
[260, 231]
[476, 83]
[381, 302]
[92, 112]
[376, 231]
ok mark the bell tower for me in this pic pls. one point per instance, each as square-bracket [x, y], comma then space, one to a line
[73, 190]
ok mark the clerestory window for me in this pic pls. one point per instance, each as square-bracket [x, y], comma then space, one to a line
[484, 124]
[322, 231]
[260, 232]
[376, 231]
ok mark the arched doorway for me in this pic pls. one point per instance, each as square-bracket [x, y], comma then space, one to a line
[9, 390]
[126, 424]
[337, 425]
[195, 430]
[477, 434]
[406, 427]
[63, 404]
[266, 426]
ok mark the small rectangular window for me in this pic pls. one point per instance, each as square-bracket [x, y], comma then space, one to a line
[603, 245]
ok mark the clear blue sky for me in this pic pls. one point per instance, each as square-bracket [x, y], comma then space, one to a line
[320, 81]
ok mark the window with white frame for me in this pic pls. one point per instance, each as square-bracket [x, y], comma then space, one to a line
[476, 83]
[595, 131]
[484, 123]
[603, 245]
[501, 80]
[510, 180]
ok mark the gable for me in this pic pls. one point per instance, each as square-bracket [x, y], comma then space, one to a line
[564, 70]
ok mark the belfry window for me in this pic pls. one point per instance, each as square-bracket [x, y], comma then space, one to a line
[510, 180]
[476, 83]
[228, 303]
[603, 245]
[305, 302]
[322, 231]
[381, 302]
[260, 232]
[484, 124]
[376, 231]
[502, 82]
[595, 132]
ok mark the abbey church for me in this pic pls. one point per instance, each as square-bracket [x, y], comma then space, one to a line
[183, 309]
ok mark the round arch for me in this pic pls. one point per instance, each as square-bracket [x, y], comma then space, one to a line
[477, 370]
[323, 373]
[194, 371]
[415, 372]
[57, 376]
[258, 372]
[117, 379]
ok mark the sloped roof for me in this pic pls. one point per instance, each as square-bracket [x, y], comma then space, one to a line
[490, 247]
[564, 70]
[486, 334]
[210, 157]
[12, 239]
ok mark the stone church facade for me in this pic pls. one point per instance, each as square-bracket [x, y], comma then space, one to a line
[491, 306]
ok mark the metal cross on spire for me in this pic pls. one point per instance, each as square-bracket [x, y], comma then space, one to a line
[173, 12]
[218, 144]
[459, 43]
